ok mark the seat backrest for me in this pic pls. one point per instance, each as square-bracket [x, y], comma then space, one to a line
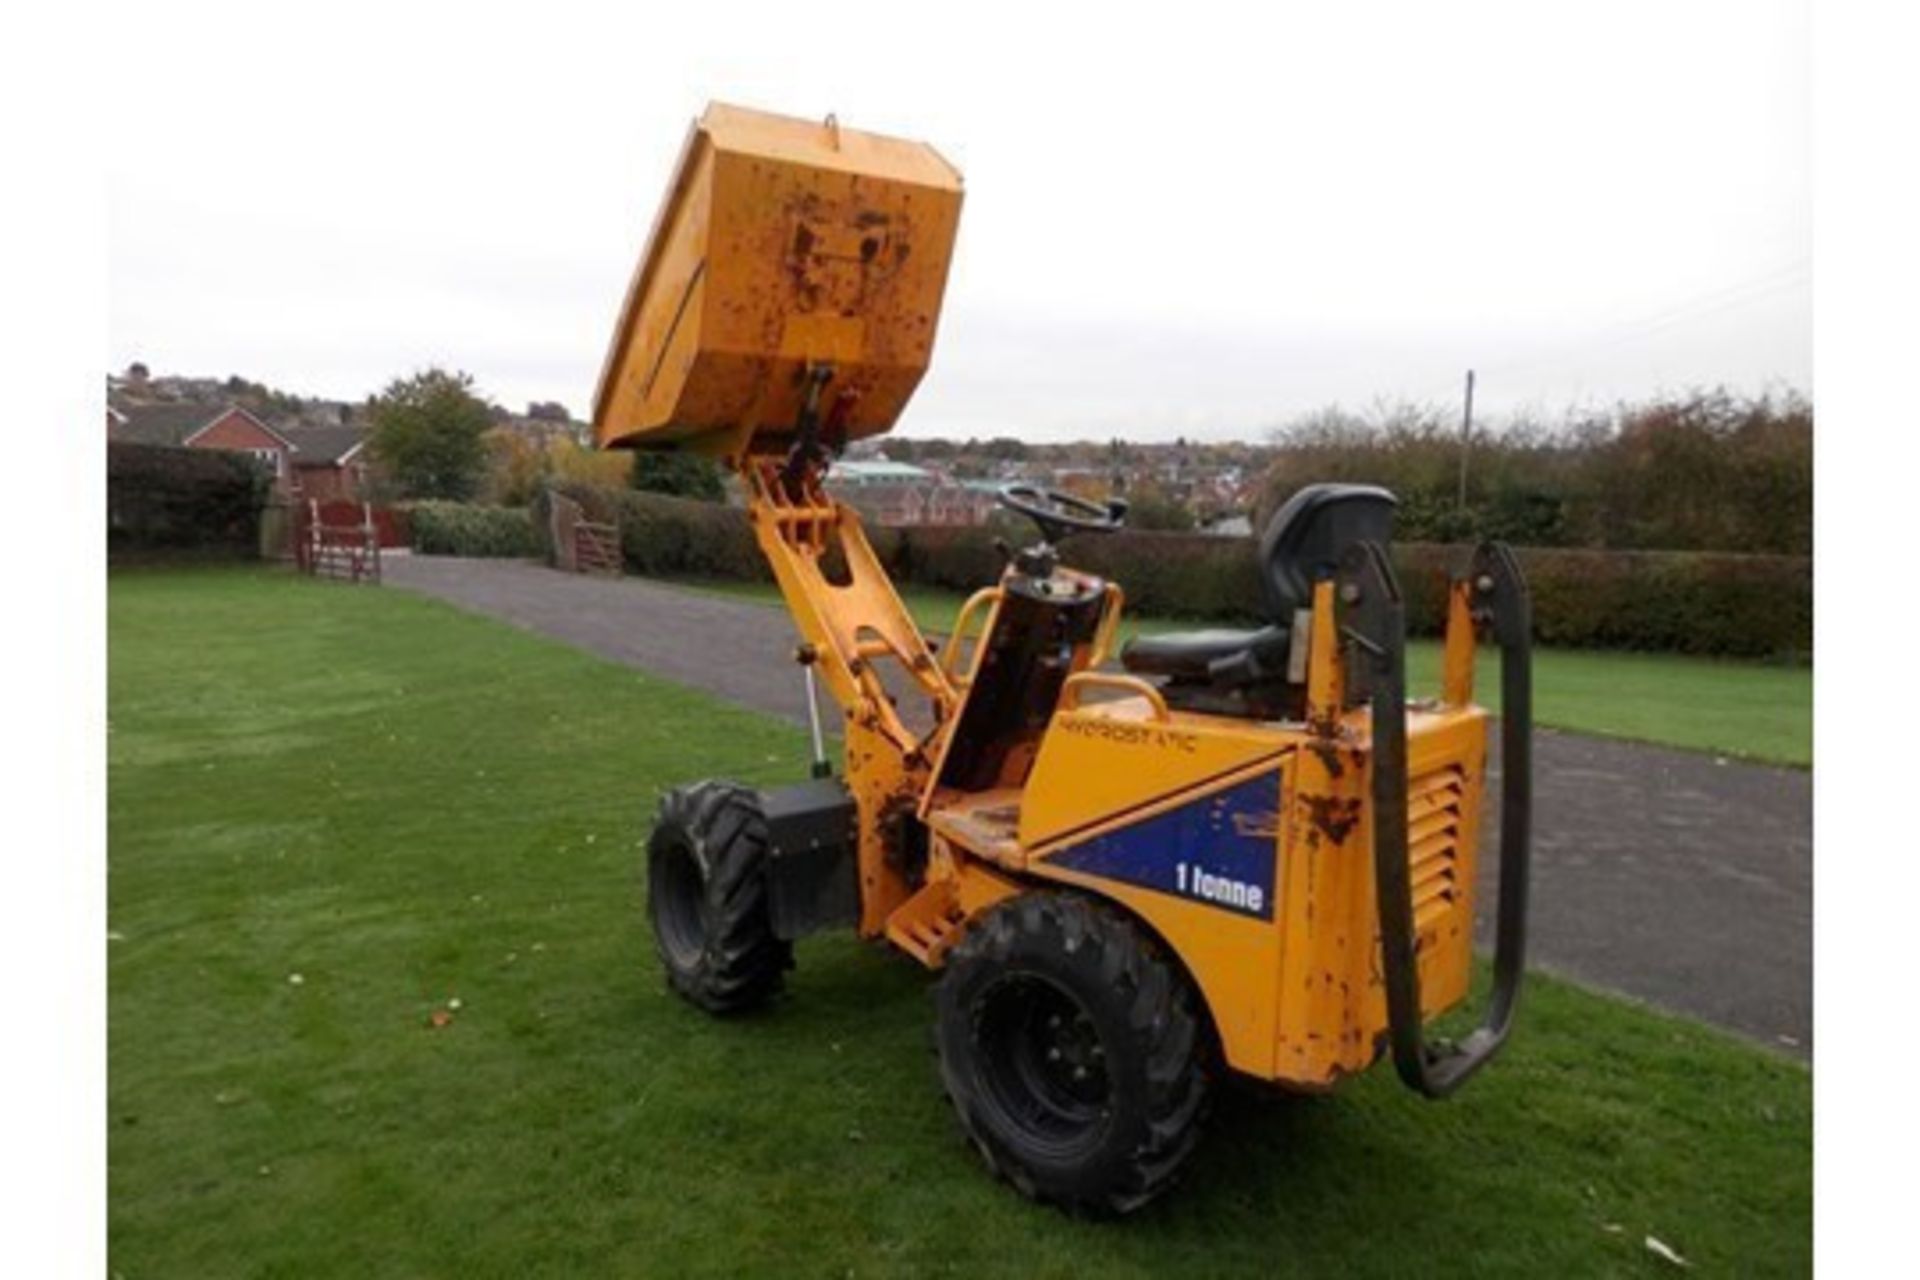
[1304, 540]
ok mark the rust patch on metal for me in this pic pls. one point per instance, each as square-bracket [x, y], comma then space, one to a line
[1328, 753]
[903, 843]
[1337, 816]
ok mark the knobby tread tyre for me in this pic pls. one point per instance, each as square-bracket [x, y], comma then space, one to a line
[707, 898]
[1153, 1049]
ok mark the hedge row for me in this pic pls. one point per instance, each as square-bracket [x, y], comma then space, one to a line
[1700, 602]
[468, 529]
[164, 500]
[1686, 602]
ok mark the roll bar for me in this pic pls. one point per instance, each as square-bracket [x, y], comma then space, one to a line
[1373, 618]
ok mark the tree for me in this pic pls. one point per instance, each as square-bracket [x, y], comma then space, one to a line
[520, 464]
[516, 467]
[685, 475]
[1703, 471]
[570, 462]
[428, 434]
[1149, 507]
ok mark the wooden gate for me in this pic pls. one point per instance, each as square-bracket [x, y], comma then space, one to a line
[581, 545]
[338, 540]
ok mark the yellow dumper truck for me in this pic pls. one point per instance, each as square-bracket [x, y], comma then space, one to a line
[1220, 851]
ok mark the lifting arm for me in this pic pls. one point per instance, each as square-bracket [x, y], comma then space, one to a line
[848, 614]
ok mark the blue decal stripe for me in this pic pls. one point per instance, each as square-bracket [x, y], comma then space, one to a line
[1219, 850]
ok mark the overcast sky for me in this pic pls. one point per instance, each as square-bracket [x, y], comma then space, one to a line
[1185, 221]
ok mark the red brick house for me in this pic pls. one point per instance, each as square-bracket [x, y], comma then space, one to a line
[199, 426]
[898, 493]
[328, 462]
[323, 463]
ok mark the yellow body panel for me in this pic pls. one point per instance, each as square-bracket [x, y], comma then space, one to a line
[1296, 999]
[782, 243]
[1112, 757]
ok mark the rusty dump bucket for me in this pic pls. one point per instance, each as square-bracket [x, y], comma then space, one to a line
[782, 244]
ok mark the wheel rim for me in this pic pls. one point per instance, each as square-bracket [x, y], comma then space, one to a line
[1042, 1063]
[677, 895]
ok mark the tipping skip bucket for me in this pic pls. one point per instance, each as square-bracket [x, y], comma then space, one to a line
[782, 245]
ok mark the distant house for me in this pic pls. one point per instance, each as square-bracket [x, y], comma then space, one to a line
[962, 502]
[321, 462]
[899, 493]
[199, 426]
[328, 462]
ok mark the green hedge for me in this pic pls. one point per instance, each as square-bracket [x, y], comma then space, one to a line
[468, 529]
[164, 501]
[662, 536]
[1686, 602]
[1682, 601]
[1179, 575]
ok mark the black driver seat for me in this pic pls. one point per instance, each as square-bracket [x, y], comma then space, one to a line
[1190, 655]
[1245, 672]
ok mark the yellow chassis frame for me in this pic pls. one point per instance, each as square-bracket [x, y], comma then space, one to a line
[1297, 995]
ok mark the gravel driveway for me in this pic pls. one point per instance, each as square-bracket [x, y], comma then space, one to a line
[1664, 875]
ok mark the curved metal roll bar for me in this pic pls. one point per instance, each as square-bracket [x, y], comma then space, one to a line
[1373, 618]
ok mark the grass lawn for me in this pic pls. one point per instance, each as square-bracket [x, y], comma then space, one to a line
[334, 810]
[1751, 710]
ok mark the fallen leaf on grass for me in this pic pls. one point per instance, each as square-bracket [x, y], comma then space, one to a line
[439, 1018]
[1661, 1249]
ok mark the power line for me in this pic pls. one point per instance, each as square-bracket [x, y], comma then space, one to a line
[1714, 301]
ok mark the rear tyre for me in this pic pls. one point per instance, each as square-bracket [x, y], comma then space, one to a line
[1074, 1052]
[707, 898]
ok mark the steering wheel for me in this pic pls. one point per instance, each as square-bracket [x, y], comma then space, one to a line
[1059, 514]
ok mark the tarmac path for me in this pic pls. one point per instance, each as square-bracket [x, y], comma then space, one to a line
[1669, 876]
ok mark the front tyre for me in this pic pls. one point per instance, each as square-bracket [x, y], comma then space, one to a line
[1074, 1052]
[707, 898]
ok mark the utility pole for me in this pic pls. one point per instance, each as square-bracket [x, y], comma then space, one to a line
[1466, 441]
